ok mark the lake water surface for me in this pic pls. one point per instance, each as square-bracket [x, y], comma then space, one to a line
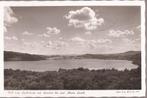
[54, 65]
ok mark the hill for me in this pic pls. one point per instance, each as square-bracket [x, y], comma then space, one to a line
[16, 56]
[134, 56]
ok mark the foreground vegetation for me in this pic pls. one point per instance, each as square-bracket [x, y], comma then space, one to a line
[72, 79]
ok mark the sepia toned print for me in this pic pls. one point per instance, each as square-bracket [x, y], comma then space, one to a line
[74, 47]
[73, 50]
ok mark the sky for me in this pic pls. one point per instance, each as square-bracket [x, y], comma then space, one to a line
[72, 29]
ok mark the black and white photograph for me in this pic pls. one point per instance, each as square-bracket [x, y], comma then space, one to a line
[79, 47]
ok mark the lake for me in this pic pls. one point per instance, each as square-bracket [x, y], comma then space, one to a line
[54, 65]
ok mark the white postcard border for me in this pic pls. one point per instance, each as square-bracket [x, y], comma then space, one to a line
[73, 93]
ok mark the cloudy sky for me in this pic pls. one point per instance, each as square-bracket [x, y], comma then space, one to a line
[72, 30]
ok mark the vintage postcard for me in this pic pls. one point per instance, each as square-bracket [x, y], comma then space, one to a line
[72, 49]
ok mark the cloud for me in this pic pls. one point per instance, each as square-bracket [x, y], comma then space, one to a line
[60, 38]
[27, 33]
[132, 44]
[9, 18]
[97, 43]
[44, 35]
[138, 27]
[77, 39]
[88, 33]
[11, 38]
[104, 41]
[127, 40]
[84, 18]
[50, 31]
[80, 42]
[30, 44]
[53, 30]
[56, 44]
[90, 43]
[119, 33]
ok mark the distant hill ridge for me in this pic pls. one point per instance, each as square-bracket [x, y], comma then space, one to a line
[134, 56]
[17, 56]
[129, 55]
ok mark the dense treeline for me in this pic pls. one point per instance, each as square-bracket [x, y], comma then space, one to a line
[73, 79]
